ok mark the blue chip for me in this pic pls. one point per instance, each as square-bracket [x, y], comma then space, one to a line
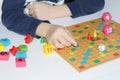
[83, 62]
[5, 42]
[87, 54]
[88, 50]
[85, 58]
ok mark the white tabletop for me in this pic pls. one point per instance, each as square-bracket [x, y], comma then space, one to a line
[54, 67]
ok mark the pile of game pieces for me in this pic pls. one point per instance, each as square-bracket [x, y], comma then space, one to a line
[20, 55]
[20, 52]
[4, 55]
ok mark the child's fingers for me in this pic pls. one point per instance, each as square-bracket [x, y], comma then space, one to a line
[57, 44]
[69, 37]
[63, 41]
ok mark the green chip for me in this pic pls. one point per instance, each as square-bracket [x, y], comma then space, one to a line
[73, 49]
[111, 23]
[23, 47]
[92, 22]
[113, 32]
[97, 61]
[86, 27]
[105, 39]
[72, 59]
[92, 43]
[84, 37]
[80, 31]
[73, 30]
[118, 47]
[110, 46]
[105, 51]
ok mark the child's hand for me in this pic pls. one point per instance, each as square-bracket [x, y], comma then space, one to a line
[40, 10]
[44, 11]
[55, 34]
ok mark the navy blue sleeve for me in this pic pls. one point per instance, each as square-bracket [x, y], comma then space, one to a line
[14, 19]
[85, 7]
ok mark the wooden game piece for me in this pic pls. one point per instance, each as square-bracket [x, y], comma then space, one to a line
[42, 41]
[107, 29]
[21, 54]
[95, 34]
[89, 36]
[105, 18]
[14, 50]
[48, 49]
[2, 48]
[76, 44]
[4, 56]
[101, 47]
[23, 47]
[28, 39]
[20, 62]
[5, 42]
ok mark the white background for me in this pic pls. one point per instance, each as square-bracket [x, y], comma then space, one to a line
[53, 67]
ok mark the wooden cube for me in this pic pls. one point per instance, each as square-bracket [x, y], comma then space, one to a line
[4, 56]
[48, 49]
[20, 62]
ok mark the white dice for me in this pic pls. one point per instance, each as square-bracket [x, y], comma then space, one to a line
[101, 47]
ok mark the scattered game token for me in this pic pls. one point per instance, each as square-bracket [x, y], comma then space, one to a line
[42, 41]
[28, 39]
[2, 47]
[23, 47]
[5, 42]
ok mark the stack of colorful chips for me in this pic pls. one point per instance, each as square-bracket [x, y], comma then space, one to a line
[20, 54]
[4, 55]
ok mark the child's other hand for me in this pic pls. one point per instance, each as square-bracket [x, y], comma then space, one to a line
[55, 34]
[40, 10]
[44, 11]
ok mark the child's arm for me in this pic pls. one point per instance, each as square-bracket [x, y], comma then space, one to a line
[14, 19]
[74, 9]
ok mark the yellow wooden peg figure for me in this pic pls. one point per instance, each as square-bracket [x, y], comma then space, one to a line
[95, 34]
